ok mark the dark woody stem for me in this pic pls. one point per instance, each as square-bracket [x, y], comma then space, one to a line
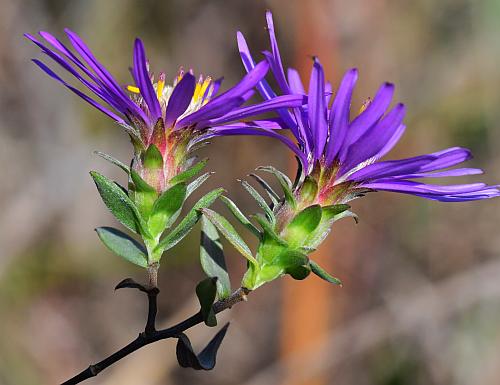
[151, 335]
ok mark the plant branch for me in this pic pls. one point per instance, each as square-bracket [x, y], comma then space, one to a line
[152, 310]
[151, 335]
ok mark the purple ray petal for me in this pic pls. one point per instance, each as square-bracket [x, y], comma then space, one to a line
[287, 101]
[79, 93]
[296, 85]
[339, 115]
[442, 174]
[106, 77]
[375, 140]
[391, 142]
[142, 80]
[317, 108]
[249, 64]
[448, 158]
[410, 187]
[244, 129]
[371, 115]
[180, 99]
[479, 195]
[99, 89]
[391, 168]
[263, 86]
[328, 93]
[275, 57]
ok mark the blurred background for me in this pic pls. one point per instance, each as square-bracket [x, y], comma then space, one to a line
[421, 296]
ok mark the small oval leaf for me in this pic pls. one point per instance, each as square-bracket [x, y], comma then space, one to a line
[123, 245]
[117, 201]
[166, 207]
[185, 226]
[303, 225]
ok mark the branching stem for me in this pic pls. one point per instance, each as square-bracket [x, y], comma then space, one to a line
[151, 335]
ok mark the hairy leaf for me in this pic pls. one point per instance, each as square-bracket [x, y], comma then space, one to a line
[123, 245]
[240, 216]
[187, 223]
[260, 200]
[285, 183]
[303, 225]
[212, 258]
[197, 183]
[268, 230]
[166, 207]
[229, 233]
[118, 202]
[143, 194]
[153, 158]
[189, 173]
[320, 272]
[275, 198]
[114, 161]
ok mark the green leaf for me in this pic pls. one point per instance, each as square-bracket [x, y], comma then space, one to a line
[277, 173]
[123, 245]
[266, 274]
[118, 202]
[240, 216]
[275, 198]
[229, 233]
[285, 183]
[290, 258]
[206, 291]
[346, 214]
[153, 158]
[299, 272]
[116, 162]
[330, 215]
[316, 269]
[260, 201]
[269, 231]
[189, 173]
[212, 258]
[187, 223]
[329, 212]
[302, 225]
[143, 194]
[197, 183]
[166, 207]
[309, 190]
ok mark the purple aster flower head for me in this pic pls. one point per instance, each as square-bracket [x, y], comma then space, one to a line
[165, 122]
[340, 156]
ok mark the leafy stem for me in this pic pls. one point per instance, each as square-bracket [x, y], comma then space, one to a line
[150, 334]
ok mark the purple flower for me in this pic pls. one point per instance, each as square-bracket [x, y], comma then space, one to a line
[174, 118]
[343, 155]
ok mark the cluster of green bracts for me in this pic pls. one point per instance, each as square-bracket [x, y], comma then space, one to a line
[293, 224]
[148, 212]
[290, 229]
